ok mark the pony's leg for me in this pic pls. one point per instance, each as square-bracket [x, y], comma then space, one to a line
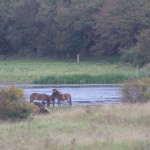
[53, 102]
[48, 104]
[43, 102]
[31, 100]
[70, 102]
[59, 103]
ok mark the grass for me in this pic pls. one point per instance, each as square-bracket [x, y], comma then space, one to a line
[82, 79]
[27, 71]
[115, 127]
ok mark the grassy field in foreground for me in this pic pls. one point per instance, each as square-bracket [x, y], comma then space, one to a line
[114, 127]
[26, 71]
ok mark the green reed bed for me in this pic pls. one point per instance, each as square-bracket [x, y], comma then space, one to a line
[98, 70]
[81, 79]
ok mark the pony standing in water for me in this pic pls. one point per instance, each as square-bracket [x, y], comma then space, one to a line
[52, 99]
[41, 97]
[61, 97]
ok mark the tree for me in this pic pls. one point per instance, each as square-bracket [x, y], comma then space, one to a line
[139, 54]
[118, 23]
[7, 8]
[24, 29]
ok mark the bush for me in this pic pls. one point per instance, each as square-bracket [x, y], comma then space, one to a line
[136, 91]
[13, 104]
[130, 56]
[145, 71]
[12, 94]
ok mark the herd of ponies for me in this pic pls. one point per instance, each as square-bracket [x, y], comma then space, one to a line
[49, 99]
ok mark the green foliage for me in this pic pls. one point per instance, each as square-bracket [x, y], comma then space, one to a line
[81, 79]
[140, 53]
[145, 71]
[13, 104]
[74, 44]
[136, 91]
[118, 24]
[26, 70]
[6, 16]
[130, 56]
[12, 94]
[63, 28]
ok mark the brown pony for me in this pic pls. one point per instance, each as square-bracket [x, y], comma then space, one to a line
[52, 99]
[42, 97]
[61, 97]
[42, 108]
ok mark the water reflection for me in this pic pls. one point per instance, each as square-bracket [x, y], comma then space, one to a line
[82, 94]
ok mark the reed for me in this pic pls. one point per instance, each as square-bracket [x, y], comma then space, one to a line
[81, 79]
[27, 71]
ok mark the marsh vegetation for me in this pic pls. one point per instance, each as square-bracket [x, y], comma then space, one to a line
[115, 127]
[100, 70]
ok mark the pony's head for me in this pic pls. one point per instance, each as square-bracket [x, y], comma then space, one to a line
[56, 93]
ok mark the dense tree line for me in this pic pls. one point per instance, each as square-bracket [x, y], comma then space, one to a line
[65, 28]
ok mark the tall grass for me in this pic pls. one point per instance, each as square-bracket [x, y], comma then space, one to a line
[26, 71]
[119, 127]
[81, 79]
[145, 71]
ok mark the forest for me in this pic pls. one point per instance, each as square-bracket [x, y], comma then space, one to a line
[65, 28]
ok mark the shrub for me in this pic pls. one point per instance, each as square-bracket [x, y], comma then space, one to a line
[12, 94]
[145, 71]
[136, 91]
[130, 56]
[13, 104]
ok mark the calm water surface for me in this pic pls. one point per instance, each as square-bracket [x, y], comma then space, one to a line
[82, 94]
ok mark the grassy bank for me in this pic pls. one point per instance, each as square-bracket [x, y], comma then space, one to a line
[121, 127]
[27, 71]
[82, 79]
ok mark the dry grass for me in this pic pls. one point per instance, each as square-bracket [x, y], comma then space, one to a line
[113, 127]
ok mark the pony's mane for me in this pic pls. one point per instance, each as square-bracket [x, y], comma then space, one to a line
[56, 91]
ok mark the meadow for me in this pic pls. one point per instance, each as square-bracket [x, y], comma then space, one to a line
[107, 70]
[111, 127]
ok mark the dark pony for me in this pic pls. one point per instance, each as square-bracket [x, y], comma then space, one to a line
[42, 108]
[41, 97]
[61, 97]
[52, 99]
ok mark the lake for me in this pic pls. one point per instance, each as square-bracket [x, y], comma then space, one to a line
[81, 94]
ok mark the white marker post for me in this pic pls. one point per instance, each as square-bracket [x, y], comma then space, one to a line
[78, 59]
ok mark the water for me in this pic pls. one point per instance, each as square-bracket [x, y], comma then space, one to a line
[85, 94]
